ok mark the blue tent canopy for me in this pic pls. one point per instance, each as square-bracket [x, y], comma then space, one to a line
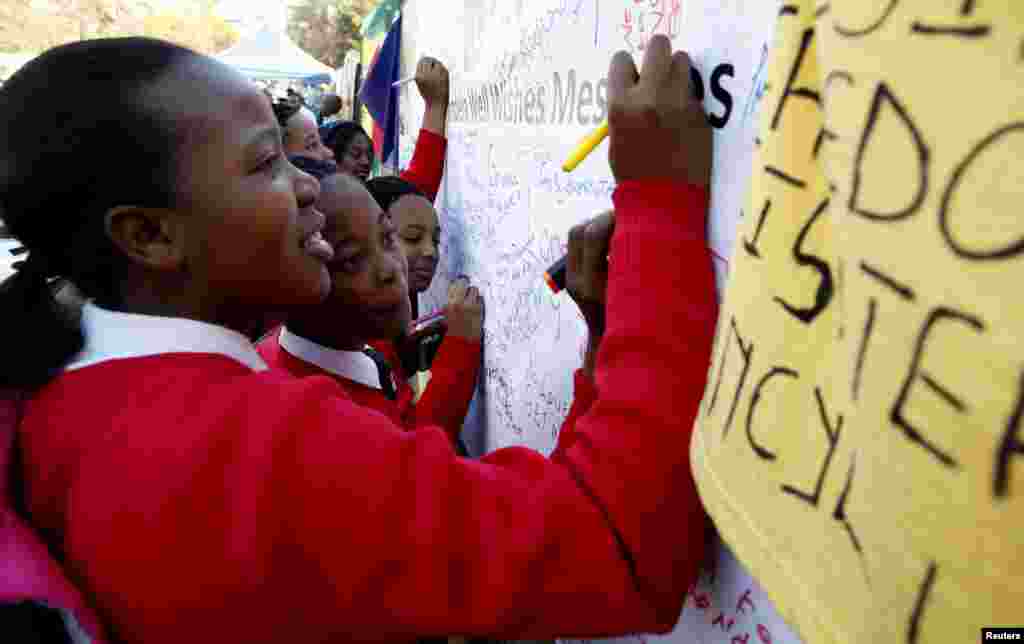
[270, 54]
[319, 79]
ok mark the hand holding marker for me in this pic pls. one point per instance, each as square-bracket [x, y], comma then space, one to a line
[427, 324]
[555, 275]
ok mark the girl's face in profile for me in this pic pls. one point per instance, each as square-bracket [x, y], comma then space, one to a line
[252, 232]
[370, 294]
[302, 137]
[356, 160]
[420, 236]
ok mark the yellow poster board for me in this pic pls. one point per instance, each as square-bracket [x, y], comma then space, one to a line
[859, 443]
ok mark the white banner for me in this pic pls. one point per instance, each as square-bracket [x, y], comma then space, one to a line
[528, 82]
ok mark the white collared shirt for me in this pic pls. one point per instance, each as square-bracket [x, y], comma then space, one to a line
[353, 365]
[111, 335]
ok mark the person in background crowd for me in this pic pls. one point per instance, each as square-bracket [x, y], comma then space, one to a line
[296, 97]
[330, 109]
[301, 138]
[353, 149]
[299, 132]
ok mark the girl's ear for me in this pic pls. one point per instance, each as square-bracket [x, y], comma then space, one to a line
[155, 238]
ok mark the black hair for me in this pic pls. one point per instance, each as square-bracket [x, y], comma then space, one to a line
[387, 190]
[330, 105]
[59, 114]
[284, 110]
[339, 135]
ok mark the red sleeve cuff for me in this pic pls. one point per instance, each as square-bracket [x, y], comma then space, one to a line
[646, 203]
[458, 350]
[427, 165]
[432, 138]
[584, 390]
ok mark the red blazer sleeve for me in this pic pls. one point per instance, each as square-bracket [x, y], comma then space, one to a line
[650, 375]
[427, 165]
[584, 394]
[446, 399]
[486, 545]
[267, 508]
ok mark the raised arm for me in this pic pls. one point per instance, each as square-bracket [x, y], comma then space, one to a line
[432, 80]
[427, 165]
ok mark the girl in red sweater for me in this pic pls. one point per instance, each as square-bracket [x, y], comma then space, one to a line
[369, 300]
[445, 354]
[194, 495]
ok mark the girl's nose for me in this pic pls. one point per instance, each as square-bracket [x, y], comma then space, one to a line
[387, 270]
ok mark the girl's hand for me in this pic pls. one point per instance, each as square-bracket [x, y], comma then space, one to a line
[432, 81]
[586, 275]
[465, 310]
[657, 128]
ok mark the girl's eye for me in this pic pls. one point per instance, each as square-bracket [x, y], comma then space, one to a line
[413, 239]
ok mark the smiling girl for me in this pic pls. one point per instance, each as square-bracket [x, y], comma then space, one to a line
[193, 495]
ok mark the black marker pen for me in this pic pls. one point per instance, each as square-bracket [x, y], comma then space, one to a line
[555, 275]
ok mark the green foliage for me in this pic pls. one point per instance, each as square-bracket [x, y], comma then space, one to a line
[37, 25]
[379, 21]
[327, 29]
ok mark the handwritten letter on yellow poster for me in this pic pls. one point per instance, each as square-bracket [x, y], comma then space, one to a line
[860, 442]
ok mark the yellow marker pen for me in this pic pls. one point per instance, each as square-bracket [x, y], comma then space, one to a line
[586, 146]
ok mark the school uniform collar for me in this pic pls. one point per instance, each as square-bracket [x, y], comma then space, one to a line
[111, 335]
[353, 365]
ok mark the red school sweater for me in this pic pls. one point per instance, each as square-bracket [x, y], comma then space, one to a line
[453, 374]
[194, 495]
[444, 405]
[427, 165]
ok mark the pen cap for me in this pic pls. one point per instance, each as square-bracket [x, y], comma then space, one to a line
[555, 275]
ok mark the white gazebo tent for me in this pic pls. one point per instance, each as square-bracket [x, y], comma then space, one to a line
[270, 54]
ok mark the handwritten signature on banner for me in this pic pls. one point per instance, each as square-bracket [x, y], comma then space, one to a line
[724, 605]
[736, 623]
[645, 18]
